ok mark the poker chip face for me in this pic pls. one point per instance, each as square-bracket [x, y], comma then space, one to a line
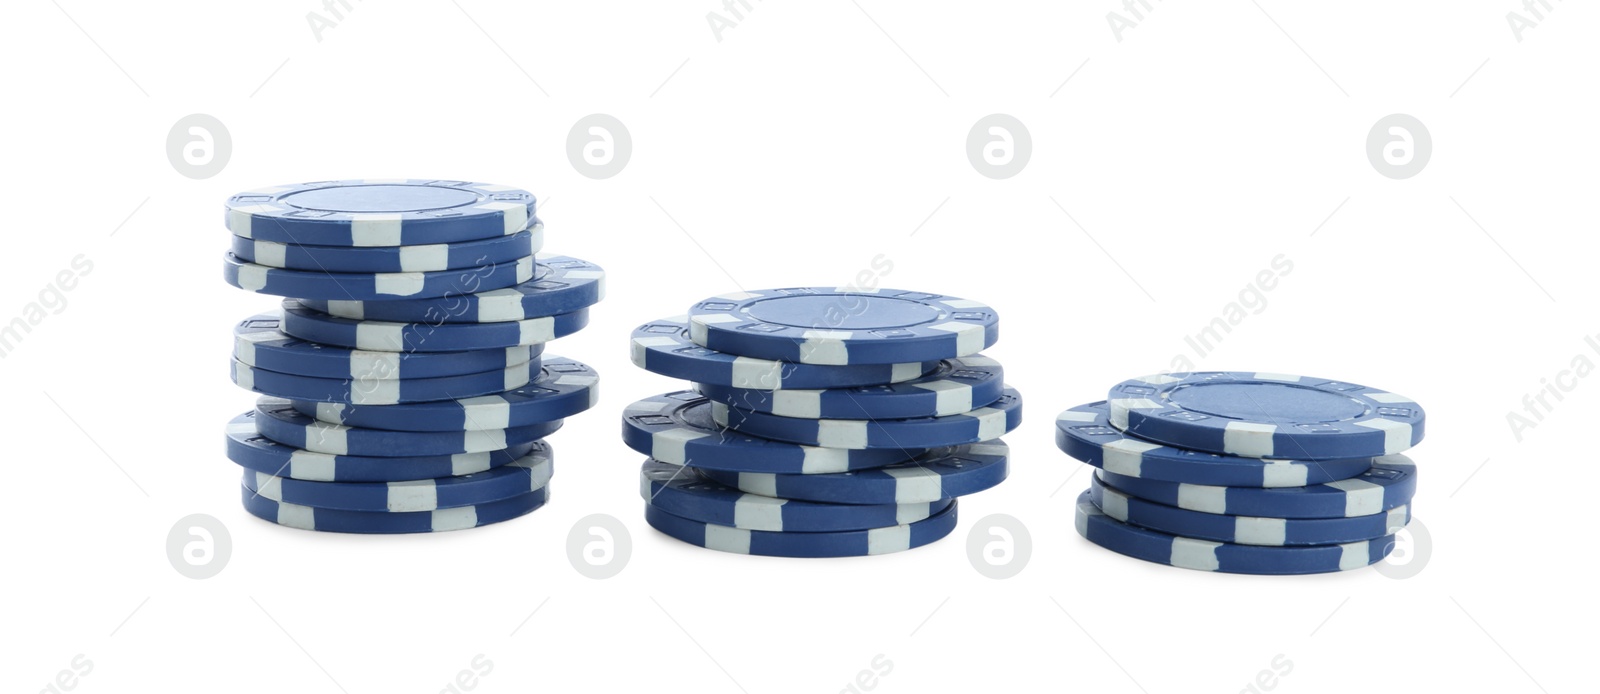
[379, 212]
[1264, 415]
[839, 327]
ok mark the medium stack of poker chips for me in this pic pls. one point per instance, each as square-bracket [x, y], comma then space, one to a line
[406, 385]
[823, 422]
[1251, 473]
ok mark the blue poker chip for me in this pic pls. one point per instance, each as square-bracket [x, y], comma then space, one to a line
[252, 451]
[939, 474]
[378, 391]
[1206, 555]
[382, 336]
[955, 386]
[677, 428]
[277, 419]
[852, 543]
[560, 284]
[258, 342]
[373, 286]
[1262, 415]
[521, 476]
[562, 388]
[1245, 530]
[983, 424]
[381, 212]
[1085, 433]
[682, 492]
[429, 258]
[1390, 483]
[368, 522]
[664, 347]
[837, 327]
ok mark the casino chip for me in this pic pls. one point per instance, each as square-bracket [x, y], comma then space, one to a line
[939, 474]
[252, 451]
[1244, 472]
[1085, 433]
[380, 212]
[664, 347]
[412, 395]
[368, 522]
[848, 543]
[430, 258]
[559, 285]
[685, 493]
[1389, 483]
[1205, 555]
[277, 419]
[982, 424]
[316, 326]
[818, 325]
[563, 388]
[258, 342]
[953, 387]
[308, 284]
[677, 428]
[1262, 415]
[377, 391]
[1245, 530]
[525, 475]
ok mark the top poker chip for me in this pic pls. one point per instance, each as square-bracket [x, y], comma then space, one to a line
[1262, 415]
[380, 212]
[841, 327]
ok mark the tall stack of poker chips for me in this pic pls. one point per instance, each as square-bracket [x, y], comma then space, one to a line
[1248, 473]
[406, 384]
[824, 422]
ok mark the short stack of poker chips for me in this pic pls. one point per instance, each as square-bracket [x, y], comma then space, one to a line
[823, 422]
[405, 382]
[1253, 473]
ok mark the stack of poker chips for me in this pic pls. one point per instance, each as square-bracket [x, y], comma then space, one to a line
[406, 385]
[823, 422]
[1249, 473]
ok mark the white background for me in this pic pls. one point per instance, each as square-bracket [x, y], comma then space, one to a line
[809, 139]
